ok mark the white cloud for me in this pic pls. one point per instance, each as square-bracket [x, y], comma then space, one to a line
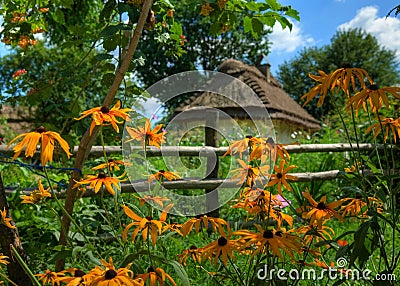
[386, 30]
[286, 41]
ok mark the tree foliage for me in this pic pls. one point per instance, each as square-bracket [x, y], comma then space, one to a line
[354, 47]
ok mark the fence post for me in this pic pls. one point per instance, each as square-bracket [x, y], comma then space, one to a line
[211, 139]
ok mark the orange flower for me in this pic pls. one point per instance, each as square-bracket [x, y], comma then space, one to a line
[47, 139]
[156, 275]
[243, 145]
[206, 9]
[281, 177]
[222, 247]
[193, 252]
[388, 124]
[312, 232]
[267, 148]
[108, 275]
[358, 206]
[103, 114]
[215, 223]
[276, 241]
[49, 277]
[321, 211]
[96, 181]
[249, 173]
[77, 277]
[146, 135]
[3, 259]
[147, 225]
[111, 164]
[149, 198]
[342, 242]
[36, 196]
[374, 96]
[18, 73]
[161, 175]
[5, 220]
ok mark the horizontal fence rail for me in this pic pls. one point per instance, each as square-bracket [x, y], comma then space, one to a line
[204, 151]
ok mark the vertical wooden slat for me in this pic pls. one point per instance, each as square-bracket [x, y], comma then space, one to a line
[211, 139]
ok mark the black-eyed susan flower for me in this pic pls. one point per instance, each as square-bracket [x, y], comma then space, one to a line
[193, 252]
[108, 275]
[37, 195]
[275, 241]
[312, 232]
[321, 211]
[97, 181]
[281, 177]
[75, 277]
[156, 276]
[147, 225]
[358, 207]
[267, 148]
[104, 115]
[215, 223]
[3, 259]
[317, 90]
[49, 277]
[153, 199]
[113, 165]
[147, 136]
[6, 220]
[242, 145]
[219, 249]
[387, 124]
[373, 95]
[47, 141]
[161, 175]
[249, 174]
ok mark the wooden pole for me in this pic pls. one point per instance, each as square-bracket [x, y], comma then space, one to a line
[8, 237]
[211, 139]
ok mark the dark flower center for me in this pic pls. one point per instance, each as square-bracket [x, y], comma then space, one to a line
[151, 269]
[79, 273]
[222, 241]
[321, 206]
[193, 247]
[110, 160]
[270, 140]
[149, 218]
[358, 196]
[249, 136]
[346, 66]
[101, 175]
[278, 233]
[161, 171]
[373, 87]
[104, 109]
[279, 175]
[41, 129]
[268, 234]
[110, 274]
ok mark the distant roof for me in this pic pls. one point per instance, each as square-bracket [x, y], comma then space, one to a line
[279, 104]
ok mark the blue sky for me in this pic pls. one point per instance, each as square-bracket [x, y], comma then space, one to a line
[320, 19]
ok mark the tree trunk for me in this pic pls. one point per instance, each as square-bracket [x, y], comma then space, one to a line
[9, 236]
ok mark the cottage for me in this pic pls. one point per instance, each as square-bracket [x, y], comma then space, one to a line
[287, 116]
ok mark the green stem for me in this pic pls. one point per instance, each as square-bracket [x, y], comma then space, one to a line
[236, 270]
[66, 213]
[24, 266]
[7, 279]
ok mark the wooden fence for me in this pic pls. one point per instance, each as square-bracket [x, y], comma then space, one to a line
[210, 183]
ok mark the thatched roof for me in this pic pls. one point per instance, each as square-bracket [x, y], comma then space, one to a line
[279, 104]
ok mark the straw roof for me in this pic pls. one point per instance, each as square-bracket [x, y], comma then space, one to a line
[279, 104]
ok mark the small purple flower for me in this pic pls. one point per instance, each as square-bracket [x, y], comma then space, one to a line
[154, 117]
[284, 202]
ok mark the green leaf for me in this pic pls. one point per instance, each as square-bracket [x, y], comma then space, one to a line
[273, 4]
[110, 44]
[359, 249]
[247, 24]
[180, 271]
[107, 79]
[102, 57]
[58, 16]
[257, 27]
[252, 6]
